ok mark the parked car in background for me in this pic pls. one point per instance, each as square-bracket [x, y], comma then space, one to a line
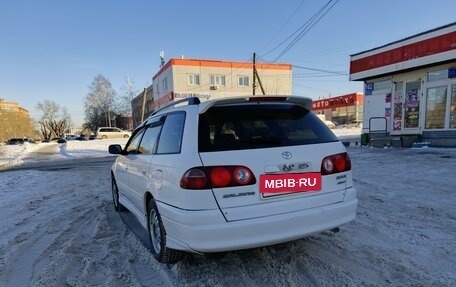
[70, 137]
[233, 173]
[329, 124]
[111, 132]
[15, 141]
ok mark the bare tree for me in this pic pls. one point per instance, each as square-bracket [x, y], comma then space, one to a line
[100, 103]
[52, 123]
[128, 92]
[50, 110]
[67, 117]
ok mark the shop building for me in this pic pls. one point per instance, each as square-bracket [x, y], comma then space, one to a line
[209, 79]
[410, 89]
[341, 110]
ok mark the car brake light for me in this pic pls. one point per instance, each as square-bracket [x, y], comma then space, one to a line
[220, 177]
[194, 178]
[335, 163]
[217, 177]
[267, 99]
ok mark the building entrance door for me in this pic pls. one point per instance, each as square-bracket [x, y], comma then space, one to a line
[441, 106]
[452, 111]
[406, 107]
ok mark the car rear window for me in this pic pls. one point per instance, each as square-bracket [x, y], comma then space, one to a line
[260, 126]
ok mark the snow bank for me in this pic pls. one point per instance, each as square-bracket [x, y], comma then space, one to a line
[12, 155]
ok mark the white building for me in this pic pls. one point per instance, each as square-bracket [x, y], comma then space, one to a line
[410, 88]
[207, 79]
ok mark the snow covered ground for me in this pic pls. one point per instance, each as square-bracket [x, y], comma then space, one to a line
[13, 155]
[58, 228]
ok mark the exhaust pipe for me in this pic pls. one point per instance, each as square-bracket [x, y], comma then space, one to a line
[335, 230]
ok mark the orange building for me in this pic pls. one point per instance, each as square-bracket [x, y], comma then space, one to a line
[341, 110]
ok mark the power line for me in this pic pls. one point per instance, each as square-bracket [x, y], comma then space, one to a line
[302, 30]
[321, 70]
[281, 28]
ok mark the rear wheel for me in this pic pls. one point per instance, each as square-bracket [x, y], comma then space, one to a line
[157, 236]
[115, 196]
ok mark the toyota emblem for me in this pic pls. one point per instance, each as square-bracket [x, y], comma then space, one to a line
[287, 155]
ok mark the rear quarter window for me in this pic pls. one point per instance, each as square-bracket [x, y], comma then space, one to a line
[170, 139]
[260, 126]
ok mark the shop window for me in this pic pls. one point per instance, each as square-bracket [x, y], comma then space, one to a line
[435, 107]
[397, 106]
[412, 104]
[382, 85]
[435, 76]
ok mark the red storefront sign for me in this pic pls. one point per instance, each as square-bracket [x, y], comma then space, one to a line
[337, 102]
[424, 48]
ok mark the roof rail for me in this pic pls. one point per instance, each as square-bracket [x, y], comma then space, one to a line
[190, 101]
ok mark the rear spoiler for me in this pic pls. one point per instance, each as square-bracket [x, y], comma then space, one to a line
[302, 101]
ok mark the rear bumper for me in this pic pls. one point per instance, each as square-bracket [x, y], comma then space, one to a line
[207, 231]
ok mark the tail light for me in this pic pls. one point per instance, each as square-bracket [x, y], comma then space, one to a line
[217, 177]
[194, 178]
[335, 163]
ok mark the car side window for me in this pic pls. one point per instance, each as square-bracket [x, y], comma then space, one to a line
[150, 138]
[171, 136]
[133, 144]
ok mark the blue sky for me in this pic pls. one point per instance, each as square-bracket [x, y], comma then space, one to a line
[53, 49]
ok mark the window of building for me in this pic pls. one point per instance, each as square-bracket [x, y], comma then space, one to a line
[193, 79]
[243, 81]
[435, 76]
[165, 84]
[217, 80]
[382, 85]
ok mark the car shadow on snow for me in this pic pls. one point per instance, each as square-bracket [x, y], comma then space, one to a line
[133, 225]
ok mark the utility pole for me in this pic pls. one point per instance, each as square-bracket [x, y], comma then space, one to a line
[143, 104]
[256, 76]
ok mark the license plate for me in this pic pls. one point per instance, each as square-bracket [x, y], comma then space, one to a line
[272, 184]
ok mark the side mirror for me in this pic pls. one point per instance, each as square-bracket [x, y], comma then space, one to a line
[115, 149]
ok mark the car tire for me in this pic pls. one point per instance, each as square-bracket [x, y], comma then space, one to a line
[104, 137]
[115, 196]
[126, 136]
[157, 237]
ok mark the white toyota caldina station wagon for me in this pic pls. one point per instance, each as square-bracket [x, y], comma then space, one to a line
[233, 173]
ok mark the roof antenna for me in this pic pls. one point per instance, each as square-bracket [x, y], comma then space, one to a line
[162, 58]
